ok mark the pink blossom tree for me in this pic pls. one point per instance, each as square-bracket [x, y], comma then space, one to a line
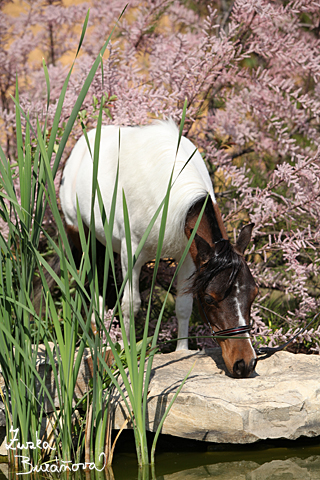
[250, 71]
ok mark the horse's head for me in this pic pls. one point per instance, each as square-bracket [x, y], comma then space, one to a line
[225, 289]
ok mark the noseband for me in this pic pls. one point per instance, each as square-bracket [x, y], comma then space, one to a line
[228, 332]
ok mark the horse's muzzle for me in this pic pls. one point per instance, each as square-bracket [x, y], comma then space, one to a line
[243, 370]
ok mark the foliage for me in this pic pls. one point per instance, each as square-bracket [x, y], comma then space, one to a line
[250, 73]
[23, 328]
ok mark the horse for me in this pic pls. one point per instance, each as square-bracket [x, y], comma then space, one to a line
[214, 271]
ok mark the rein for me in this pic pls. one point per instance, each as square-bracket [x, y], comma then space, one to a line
[262, 352]
[268, 351]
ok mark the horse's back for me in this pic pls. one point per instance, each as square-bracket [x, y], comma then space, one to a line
[146, 157]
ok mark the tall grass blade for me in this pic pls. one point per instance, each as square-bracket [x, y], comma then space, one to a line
[21, 328]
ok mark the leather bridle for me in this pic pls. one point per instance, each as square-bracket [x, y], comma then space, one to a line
[235, 331]
[228, 332]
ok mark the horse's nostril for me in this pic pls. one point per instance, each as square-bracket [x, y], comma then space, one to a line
[241, 370]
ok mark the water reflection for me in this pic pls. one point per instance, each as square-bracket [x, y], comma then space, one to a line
[290, 469]
[293, 469]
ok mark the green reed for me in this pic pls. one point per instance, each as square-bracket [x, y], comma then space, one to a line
[23, 328]
[136, 376]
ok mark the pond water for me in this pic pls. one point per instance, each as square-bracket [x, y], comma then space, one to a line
[299, 460]
[178, 467]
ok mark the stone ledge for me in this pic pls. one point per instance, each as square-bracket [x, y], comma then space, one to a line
[281, 400]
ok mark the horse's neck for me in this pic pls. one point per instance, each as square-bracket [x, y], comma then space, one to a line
[211, 226]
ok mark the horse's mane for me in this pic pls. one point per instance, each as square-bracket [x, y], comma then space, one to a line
[224, 257]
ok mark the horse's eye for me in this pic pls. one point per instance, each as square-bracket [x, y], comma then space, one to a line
[209, 300]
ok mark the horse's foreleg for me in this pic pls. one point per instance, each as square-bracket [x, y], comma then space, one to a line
[184, 303]
[131, 300]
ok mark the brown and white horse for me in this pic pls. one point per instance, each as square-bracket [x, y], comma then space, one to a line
[214, 271]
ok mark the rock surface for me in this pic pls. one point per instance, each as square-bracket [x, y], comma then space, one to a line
[280, 400]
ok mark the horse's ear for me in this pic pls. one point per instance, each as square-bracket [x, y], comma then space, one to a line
[244, 238]
[204, 250]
